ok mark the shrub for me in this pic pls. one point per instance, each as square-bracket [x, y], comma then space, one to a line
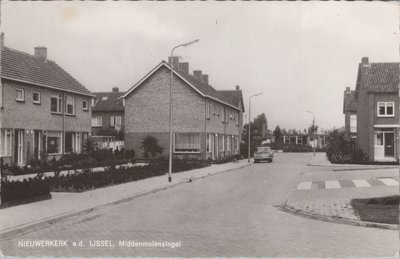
[12, 191]
[151, 147]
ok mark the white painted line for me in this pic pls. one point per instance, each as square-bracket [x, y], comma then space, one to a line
[389, 181]
[332, 185]
[361, 183]
[304, 186]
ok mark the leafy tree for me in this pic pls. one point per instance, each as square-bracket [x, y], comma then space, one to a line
[258, 134]
[277, 134]
[151, 147]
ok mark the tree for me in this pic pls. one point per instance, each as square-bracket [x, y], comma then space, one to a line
[258, 132]
[151, 147]
[277, 134]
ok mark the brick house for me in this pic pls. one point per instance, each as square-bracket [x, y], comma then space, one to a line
[44, 110]
[207, 123]
[108, 121]
[377, 103]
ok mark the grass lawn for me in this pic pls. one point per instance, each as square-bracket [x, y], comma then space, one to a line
[380, 210]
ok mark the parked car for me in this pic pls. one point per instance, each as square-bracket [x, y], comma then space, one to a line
[263, 154]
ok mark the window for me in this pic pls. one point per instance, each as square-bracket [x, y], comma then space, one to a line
[20, 95]
[54, 142]
[104, 98]
[222, 114]
[85, 105]
[214, 109]
[228, 143]
[187, 143]
[237, 118]
[221, 142]
[353, 123]
[379, 139]
[5, 142]
[70, 105]
[97, 121]
[36, 97]
[55, 104]
[116, 121]
[385, 109]
[209, 142]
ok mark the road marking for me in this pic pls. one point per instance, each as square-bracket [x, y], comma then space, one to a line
[389, 181]
[304, 186]
[361, 183]
[332, 185]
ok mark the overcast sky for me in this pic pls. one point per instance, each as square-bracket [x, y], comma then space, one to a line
[301, 55]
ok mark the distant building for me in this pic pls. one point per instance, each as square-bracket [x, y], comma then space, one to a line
[350, 113]
[108, 121]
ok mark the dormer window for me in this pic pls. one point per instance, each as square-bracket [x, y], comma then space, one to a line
[385, 109]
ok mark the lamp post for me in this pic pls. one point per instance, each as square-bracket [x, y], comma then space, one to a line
[313, 127]
[170, 105]
[248, 148]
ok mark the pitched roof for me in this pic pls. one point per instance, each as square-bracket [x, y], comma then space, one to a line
[23, 67]
[108, 102]
[380, 77]
[202, 88]
[349, 102]
[235, 96]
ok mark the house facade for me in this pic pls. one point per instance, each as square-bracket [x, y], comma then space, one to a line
[44, 111]
[377, 103]
[206, 123]
[108, 120]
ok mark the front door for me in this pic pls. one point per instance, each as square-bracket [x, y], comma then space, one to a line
[389, 144]
[19, 147]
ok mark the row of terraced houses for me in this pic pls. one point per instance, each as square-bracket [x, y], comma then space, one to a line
[45, 112]
[372, 111]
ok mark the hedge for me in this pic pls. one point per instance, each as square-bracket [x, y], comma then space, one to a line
[20, 191]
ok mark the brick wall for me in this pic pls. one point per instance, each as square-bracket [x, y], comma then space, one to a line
[27, 115]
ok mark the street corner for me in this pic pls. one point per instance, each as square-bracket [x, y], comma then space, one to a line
[331, 200]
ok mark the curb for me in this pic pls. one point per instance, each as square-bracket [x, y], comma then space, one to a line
[42, 223]
[338, 220]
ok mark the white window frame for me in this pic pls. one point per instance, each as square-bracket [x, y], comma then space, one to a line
[228, 143]
[69, 100]
[22, 99]
[33, 98]
[386, 106]
[222, 142]
[208, 109]
[194, 149]
[83, 105]
[353, 123]
[6, 143]
[97, 121]
[59, 103]
[60, 147]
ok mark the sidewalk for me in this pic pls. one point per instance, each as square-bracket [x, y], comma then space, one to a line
[63, 205]
[327, 196]
[320, 159]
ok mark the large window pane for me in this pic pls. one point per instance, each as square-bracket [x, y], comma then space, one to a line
[187, 142]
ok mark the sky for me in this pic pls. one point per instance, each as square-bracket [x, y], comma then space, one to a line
[300, 55]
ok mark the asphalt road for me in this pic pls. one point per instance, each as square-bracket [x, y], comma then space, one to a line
[230, 214]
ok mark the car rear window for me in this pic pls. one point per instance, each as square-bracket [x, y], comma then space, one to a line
[263, 149]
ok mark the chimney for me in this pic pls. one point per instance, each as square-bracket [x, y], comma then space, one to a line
[175, 62]
[115, 89]
[364, 60]
[197, 74]
[1, 40]
[204, 79]
[237, 88]
[41, 52]
[184, 67]
[348, 91]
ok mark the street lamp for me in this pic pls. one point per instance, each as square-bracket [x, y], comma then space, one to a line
[313, 127]
[170, 105]
[248, 151]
